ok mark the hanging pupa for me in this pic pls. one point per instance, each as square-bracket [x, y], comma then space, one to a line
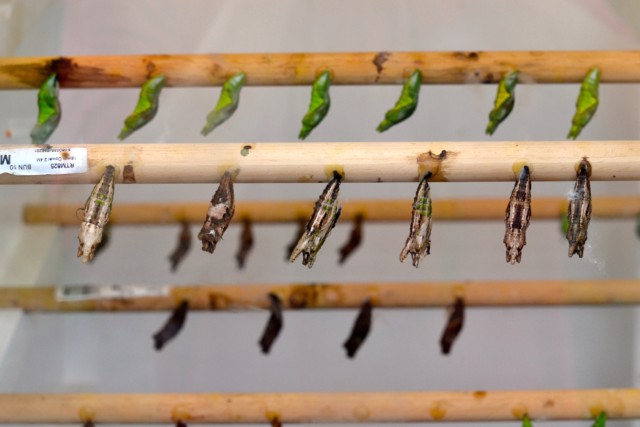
[355, 239]
[274, 324]
[219, 214]
[246, 243]
[172, 327]
[319, 105]
[146, 108]
[587, 102]
[324, 218]
[49, 111]
[418, 243]
[96, 215]
[453, 327]
[505, 100]
[517, 216]
[579, 212]
[183, 246]
[227, 103]
[406, 104]
[360, 330]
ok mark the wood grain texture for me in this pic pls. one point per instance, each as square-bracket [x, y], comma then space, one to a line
[347, 68]
[374, 407]
[343, 295]
[357, 161]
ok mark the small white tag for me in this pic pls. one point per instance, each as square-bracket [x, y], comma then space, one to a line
[43, 161]
[92, 292]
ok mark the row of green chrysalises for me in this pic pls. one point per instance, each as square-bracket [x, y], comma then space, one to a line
[586, 104]
[49, 111]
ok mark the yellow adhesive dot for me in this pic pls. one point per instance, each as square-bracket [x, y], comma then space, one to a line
[437, 412]
[517, 167]
[328, 171]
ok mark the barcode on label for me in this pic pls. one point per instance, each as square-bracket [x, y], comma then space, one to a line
[43, 161]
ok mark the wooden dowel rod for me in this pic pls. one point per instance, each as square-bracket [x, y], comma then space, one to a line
[370, 407]
[324, 295]
[357, 161]
[291, 211]
[355, 68]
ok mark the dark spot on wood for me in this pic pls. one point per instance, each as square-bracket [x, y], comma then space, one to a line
[303, 296]
[466, 56]
[151, 68]
[613, 176]
[439, 157]
[128, 176]
[275, 422]
[480, 394]
[476, 73]
[379, 60]
[218, 302]
[379, 179]
[70, 74]
[63, 67]
[216, 69]
[549, 403]
[488, 78]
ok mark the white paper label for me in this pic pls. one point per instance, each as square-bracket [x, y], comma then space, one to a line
[43, 161]
[92, 292]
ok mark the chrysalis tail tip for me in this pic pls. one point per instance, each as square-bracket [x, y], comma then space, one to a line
[491, 128]
[383, 126]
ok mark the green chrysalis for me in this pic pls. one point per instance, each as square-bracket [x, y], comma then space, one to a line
[406, 105]
[601, 420]
[319, 106]
[587, 102]
[526, 422]
[227, 103]
[49, 112]
[505, 100]
[146, 108]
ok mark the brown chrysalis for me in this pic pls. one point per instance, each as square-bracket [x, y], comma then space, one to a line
[517, 216]
[246, 243]
[172, 327]
[454, 326]
[360, 329]
[579, 212]
[219, 214]
[355, 238]
[184, 244]
[274, 325]
[418, 243]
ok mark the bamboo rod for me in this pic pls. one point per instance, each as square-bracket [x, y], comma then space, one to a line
[357, 162]
[324, 295]
[355, 68]
[292, 211]
[289, 408]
